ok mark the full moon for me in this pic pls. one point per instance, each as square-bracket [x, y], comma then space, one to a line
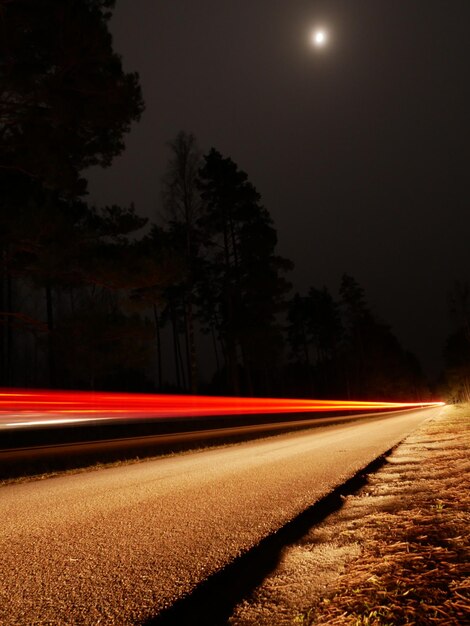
[319, 38]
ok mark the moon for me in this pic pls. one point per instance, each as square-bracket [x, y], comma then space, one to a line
[319, 38]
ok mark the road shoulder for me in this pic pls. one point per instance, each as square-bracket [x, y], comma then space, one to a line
[396, 553]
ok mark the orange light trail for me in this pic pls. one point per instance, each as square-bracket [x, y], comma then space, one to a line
[68, 406]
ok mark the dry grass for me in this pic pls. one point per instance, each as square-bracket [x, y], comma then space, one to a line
[414, 565]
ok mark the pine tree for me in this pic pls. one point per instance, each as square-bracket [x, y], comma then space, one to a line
[247, 283]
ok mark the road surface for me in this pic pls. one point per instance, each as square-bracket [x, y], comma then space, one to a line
[118, 545]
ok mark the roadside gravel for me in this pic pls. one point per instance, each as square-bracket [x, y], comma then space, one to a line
[398, 552]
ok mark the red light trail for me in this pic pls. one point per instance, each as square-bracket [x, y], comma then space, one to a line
[34, 407]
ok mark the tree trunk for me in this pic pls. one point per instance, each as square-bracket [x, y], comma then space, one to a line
[9, 332]
[232, 361]
[191, 346]
[216, 352]
[247, 367]
[179, 365]
[50, 328]
[231, 351]
[2, 325]
[175, 343]
[6, 304]
[180, 358]
[159, 349]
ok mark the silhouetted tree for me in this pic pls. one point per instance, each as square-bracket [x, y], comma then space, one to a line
[356, 317]
[298, 328]
[459, 301]
[314, 332]
[90, 259]
[247, 286]
[159, 268]
[324, 322]
[182, 203]
[374, 363]
[457, 349]
[300, 341]
[326, 331]
[16, 247]
[65, 104]
[457, 374]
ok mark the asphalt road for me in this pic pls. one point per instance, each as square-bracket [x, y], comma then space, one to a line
[118, 545]
[36, 449]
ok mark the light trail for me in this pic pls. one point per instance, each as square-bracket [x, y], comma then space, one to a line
[24, 407]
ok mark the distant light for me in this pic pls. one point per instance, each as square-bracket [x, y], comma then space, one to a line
[319, 38]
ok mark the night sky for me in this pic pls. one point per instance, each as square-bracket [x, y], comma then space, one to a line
[360, 150]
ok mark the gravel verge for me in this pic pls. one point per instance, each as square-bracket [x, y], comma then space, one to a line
[396, 553]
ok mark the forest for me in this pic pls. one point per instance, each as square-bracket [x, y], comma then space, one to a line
[195, 301]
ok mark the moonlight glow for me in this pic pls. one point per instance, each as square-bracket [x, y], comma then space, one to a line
[319, 38]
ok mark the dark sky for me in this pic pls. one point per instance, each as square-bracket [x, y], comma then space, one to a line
[360, 150]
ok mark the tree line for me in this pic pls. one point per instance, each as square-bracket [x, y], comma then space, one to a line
[455, 380]
[89, 296]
